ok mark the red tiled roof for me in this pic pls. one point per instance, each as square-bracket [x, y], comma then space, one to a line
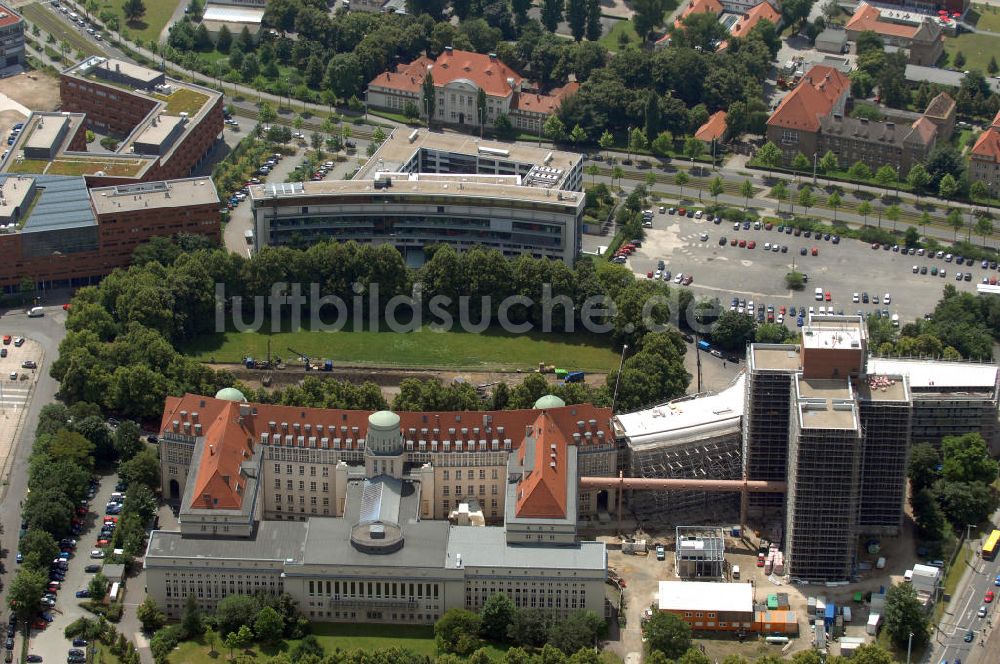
[866, 17]
[941, 106]
[757, 13]
[548, 104]
[485, 72]
[814, 96]
[713, 129]
[230, 438]
[925, 128]
[542, 492]
[996, 120]
[699, 6]
[10, 19]
[988, 144]
[408, 78]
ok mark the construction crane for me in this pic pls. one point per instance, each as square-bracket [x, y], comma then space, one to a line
[305, 358]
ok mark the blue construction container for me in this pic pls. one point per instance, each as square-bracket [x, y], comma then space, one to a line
[831, 612]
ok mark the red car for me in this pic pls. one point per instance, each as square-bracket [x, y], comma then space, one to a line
[686, 281]
[989, 596]
[66, 306]
[110, 519]
[751, 244]
[101, 543]
[768, 226]
[743, 243]
[682, 212]
[827, 296]
[875, 245]
[760, 560]
[649, 275]
[815, 251]
[782, 309]
[39, 624]
[732, 243]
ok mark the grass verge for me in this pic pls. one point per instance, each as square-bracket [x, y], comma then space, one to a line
[151, 24]
[976, 47]
[611, 40]
[492, 348]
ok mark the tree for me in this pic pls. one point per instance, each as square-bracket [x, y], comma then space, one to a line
[429, 97]
[617, 173]
[905, 615]
[966, 459]
[652, 115]
[733, 330]
[554, 129]
[959, 60]
[224, 40]
[828, 162]
[594, 28]
[576, 16]
[859, 171]
[965, 502]
[606, 140]
[795, 280]
[496, 616]
[715, 188]
[918, 178]
[885, 176]
[912, 237]
[26, 591]
[530, 627]
[955, 220]
[578, 135]
[680, 179]
[552, 14]
[923, 467]
[238, 640]
[769, 155]
[746, 190]
[806, 198]
[892, 213]
[666, 633]
[268, 625]
[984, 227]
[126, 440]
[834, 201]
[648, 15]
[234, 611]
[133, 10]
[637, 141]
[98, 587]
[266, 113]
[771, 333]
[150, 615]
[865, 209]
[143, 468]
[663, 144]
[457, 632]
[948, 187]
[192, 625]
[577, 631]
[801, 162]
[978, 191]
[37, 548]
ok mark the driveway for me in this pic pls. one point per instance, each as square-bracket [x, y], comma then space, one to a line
[52, 643]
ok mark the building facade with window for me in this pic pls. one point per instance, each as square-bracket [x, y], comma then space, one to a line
[11, 41]
[363, 533]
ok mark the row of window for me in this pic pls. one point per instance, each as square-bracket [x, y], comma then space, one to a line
[374, 589]
[290, 500]
[302, 470]
[290, 485]
[445, 490]
[494, 474]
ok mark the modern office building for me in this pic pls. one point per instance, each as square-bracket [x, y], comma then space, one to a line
[421, 188]
[369, 539]
[165, 127]
[56, 232]
[11, 41]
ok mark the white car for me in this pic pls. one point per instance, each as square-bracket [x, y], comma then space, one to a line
[699, 214]
[679, 278]
[875, 299]
[96, 554]
[855, 298]
[657, 274]
[887, 299]
[703, 237]
[916, 268]
[767, 246]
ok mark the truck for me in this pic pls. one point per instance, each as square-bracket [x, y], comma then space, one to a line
[704, 345]
[574, 377]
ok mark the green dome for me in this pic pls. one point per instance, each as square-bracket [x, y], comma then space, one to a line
[549, 401]
[383, 419]
[230, 394]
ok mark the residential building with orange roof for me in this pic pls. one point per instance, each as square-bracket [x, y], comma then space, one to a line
[458, 77]
[984, 158]
[738, 16]
[794, 124]
[364, 517]
[917, 33]
[753, 16]
[714, 129]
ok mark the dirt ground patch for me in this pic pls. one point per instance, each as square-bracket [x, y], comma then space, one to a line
[36, 90]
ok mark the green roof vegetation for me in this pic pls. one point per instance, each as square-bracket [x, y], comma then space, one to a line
[115, 166]
[183, 100]
[27, 166]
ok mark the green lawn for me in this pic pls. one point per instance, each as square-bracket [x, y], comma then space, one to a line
[424, 348]
[104, 655]
[977, 49]
[988, 17]
[332, 637]
[610, 40]
[151, 24]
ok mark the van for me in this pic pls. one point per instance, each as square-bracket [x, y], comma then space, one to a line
[895, 320]
[736, 572]
[819, 293]
[36, 312]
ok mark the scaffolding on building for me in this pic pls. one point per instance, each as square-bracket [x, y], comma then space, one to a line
[700, 552]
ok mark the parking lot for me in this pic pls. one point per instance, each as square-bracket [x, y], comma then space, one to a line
[843, 269]
[51, 643]
[15, 392]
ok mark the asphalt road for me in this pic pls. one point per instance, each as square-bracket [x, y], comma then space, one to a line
[962, 616]
[48, 331]
[843, 269]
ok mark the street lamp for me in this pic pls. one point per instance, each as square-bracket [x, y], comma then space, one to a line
[614, 398]
[815, 157]
[909, 647]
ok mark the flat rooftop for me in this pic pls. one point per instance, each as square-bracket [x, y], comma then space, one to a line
[13, 194]
[834, 332]
[826, 404]
[776, 357]
[487, 547]
[44, 132]
[878, 387]
[456, 186]
[156, 134]
[397, 150]
[274, 541]
[89, 67]
[929, 374]
[174, 193]
[704, 596]
[684, 420]
[229, 14]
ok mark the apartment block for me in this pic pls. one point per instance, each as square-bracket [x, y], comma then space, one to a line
[885, 408]
[12, 54]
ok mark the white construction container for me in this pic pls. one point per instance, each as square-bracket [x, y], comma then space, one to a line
[847, 614]
[880, 563]
[874, 621]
